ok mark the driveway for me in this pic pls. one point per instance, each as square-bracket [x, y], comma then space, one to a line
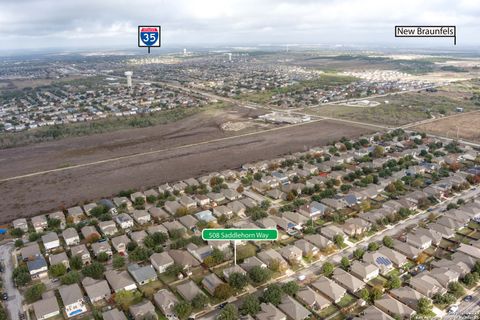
[14, 303]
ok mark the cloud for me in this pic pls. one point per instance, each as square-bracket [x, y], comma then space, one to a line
[70, 23]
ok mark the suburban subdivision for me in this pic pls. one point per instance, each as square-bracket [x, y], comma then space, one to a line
[382, 226]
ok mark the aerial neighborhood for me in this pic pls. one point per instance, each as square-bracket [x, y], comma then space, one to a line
[384, 226]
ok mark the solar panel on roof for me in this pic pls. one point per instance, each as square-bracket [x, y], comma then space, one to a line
[384, 261]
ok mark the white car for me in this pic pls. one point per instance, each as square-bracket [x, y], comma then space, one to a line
[453, 309]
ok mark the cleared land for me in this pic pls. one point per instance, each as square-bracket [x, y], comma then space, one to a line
[42, 193]
[467, 124]
[403, 108]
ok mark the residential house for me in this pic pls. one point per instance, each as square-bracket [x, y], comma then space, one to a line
[206, 216]
[114, 314]
[233, 269]
[108, 228]
[138, 237]
[165, 300]
[37, 267]
[183, 258]
[96, 290]
[189, 222]
[406, 249]
[222, 211]
[348, 281]
[50, 241]
[59, 258]
[330, 289]
[60, 216]
[188, 290]
[142, 274]
[211, 282]
[419, 241]
[199, 252]
[72, 299]
[46, 308]
[30, 251]
[270, 256]
[124, 221]
[394, 308]
[141, 216]
[427, 285]
[120, 243]
[174, 227]
[102, 247]
[445, 276]
[90, 233]
[331, 231]
[398, 259]
[143, 310]
[21, 224]
[312, 299]
[269, 312]
[120, 280]
[251, 262]
[407, 296]
[296, 218]
[292, 254]
[364, 271]
[39, 223]
[355, 226]
[379, 260]
[81, 251]
[158, 214]
[308, 249]
[319, 241]
[202, 200]
[293, 309]
[71, 237]
[75, 215]
[237, 207]
[373, 313]
[161, 261]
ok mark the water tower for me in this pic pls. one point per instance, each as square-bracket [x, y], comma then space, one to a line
[129, 74]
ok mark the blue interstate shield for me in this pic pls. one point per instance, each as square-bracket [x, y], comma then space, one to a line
[149, 36]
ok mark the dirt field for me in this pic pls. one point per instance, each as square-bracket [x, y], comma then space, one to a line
[42, 193]
[467, 124]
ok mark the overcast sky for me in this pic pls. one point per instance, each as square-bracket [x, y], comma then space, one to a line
[113, 23]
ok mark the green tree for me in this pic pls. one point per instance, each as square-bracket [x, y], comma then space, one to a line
[237, 280]
[76, 262]
[456, 289]
[345, 262]
[21, 275]
[373, 246]
[173, 270]
[229, 312]
[291, 288]
[424, 307]
[393, 282]
[387, 241]
[365, 294]
[18, 243]
[183, 309]
[102, 257]
[17, 232]
[118, 261]
[223, 291]
[327, 269]
[200, 301]
[376, 293]
[259, 275]
[338, 240]
[358, 253]
[140, 254]
[94, 270]
[250, 306]
[70, 278]
[273, 294]
[57, 270]
[34, 293]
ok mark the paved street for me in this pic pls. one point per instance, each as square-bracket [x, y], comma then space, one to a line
[14, 303]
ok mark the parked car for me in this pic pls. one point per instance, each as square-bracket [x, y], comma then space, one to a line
[452, 309]
[468, 298]
[5, 296]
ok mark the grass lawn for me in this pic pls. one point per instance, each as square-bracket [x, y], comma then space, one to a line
[150, 288]
[166, 278]
[346, 301]
[378, 281]
[328, 311]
